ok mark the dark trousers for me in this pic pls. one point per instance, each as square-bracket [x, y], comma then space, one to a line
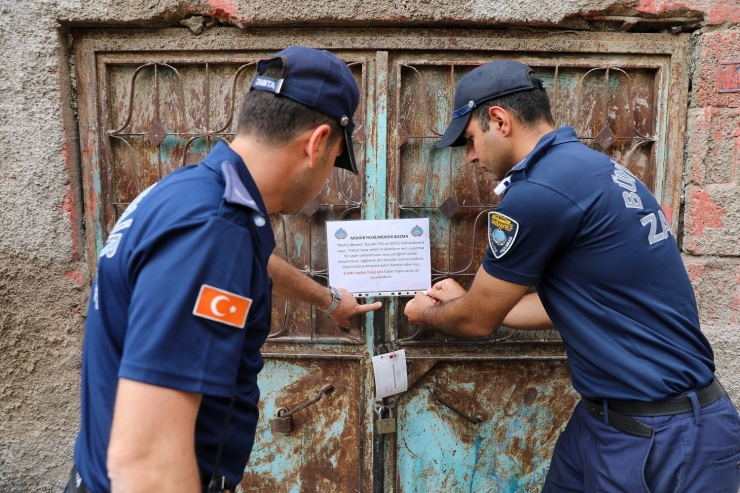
[75, 484]
[695, 452]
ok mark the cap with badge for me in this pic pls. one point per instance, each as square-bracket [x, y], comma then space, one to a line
[319, 80]
[489, 81]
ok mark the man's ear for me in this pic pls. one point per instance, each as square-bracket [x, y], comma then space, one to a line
[500, 119]
[317, 143]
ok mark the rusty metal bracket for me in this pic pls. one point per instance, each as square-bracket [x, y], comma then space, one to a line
[326, 389]
[283, 421]
[477, 419]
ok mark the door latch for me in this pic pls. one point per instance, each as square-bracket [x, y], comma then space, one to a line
[283, 420]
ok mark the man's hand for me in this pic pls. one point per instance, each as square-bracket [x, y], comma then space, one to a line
[349, 307]
[446, 290]
[289, 282]
[476, 313]
[415, 308]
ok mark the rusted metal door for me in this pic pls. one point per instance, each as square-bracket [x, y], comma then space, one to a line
[479, 415]
[483, 415]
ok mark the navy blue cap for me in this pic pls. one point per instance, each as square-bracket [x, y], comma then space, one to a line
[489, 81]
[321, 81]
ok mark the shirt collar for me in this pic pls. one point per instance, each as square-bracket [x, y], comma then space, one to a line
[556, 137]
[239, 187]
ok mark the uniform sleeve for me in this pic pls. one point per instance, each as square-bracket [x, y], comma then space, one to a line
[166, 343]
[528, 229]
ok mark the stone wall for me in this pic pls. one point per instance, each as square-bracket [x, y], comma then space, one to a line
[712, 209]
[44, 280]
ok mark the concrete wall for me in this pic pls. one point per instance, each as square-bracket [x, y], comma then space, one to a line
[44, 281]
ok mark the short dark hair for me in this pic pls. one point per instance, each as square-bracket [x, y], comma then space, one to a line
[528, 107]
[277, 119]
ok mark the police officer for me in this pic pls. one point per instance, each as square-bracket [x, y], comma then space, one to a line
[595, 243]
[180, 302]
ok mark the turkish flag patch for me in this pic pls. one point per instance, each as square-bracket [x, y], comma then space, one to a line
[222, 306]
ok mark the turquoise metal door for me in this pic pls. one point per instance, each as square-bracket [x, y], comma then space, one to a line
[479, 415]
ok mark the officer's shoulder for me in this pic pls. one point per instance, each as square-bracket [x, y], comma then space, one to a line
[185, 191]
[577, 149]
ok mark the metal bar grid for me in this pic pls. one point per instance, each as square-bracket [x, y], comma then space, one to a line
[130, 168]
[419, 208]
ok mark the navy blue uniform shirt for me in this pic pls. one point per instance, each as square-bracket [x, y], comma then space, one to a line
[597, 246]
[181, 300]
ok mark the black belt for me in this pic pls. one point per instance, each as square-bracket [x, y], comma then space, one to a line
[620, 411]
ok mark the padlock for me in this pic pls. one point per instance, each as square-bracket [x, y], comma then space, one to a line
[280, 423]
[383, 425]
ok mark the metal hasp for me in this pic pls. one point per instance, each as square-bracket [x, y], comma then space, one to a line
[477, 419]
[283, 420]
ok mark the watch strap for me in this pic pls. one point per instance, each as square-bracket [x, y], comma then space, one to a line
[336, 297]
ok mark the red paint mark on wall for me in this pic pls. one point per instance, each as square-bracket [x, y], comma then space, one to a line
[705, 213]
[696, 272]
[717, 48]
[715, 12]
[724, 13]
[728, 77]
[225, 8]
[75, 276]
[68, 203]
[664, 6]
[668, 213]
[647, 6]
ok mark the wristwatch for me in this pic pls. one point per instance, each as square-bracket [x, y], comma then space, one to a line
[336, 297]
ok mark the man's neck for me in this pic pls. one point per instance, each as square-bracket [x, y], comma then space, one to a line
[269, 167]
[529, 138]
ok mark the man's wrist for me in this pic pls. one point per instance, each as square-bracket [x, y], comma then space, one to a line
[424, 317]
[336, 297]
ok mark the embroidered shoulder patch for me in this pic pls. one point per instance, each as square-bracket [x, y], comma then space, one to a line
[222, 306]
[502, 232]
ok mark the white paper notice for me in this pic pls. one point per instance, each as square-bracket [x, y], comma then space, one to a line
[379, 258]
[390, 373]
